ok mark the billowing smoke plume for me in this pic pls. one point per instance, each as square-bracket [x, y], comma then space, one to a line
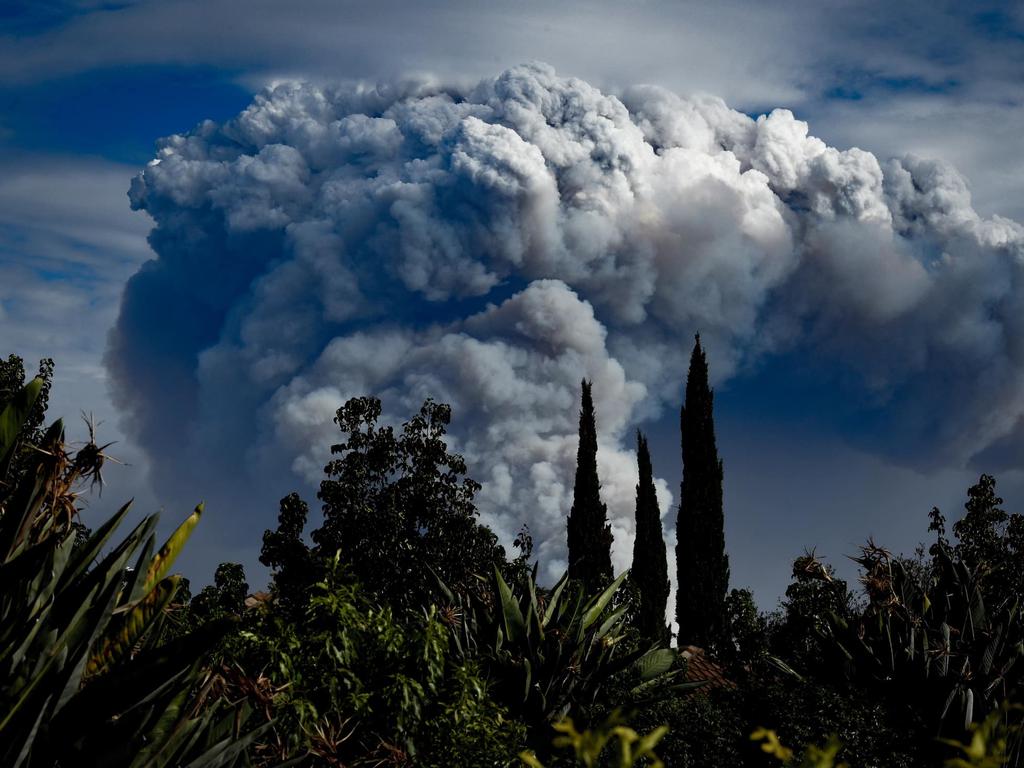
[489, 247]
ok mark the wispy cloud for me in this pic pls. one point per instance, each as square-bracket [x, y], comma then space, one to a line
[68, 242]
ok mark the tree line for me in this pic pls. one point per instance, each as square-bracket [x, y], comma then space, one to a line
[702, 564]
[397, 631]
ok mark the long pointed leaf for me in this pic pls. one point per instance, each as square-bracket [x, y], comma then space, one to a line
[169, 552]
[596, 607]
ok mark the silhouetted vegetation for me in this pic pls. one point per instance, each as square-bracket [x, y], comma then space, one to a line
[588, 535]
[649, 574]
[399, 633]
[702, 564]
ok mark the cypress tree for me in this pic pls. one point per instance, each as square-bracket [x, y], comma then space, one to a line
[650, 566]
[701, 562]
[588, 532]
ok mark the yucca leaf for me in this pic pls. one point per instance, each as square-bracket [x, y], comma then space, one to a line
[990, 650]
[554, 600]
[613, 622]
[130, 685]
[27, 737]
[108, 575]
[169, 552]
[132, 592]
[946, 650]
[128, 627]
[95, 543]
[227, 750]
[655, 663]
[86, 632]
[527, 678]
[596, 607]
[512, 616]
[169, 725]
[535, 615]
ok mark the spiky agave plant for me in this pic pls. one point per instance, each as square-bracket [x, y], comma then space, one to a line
[83, 681]
[550, 652]
[932, 639]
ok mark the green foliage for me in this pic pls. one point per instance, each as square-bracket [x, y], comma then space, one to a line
[612, 744]
[28, 424]
[82, 679]
[705, 728]
[701, 561]
[991, 540]
[396, 507]
[813, 756]
[287, 555]
[745, 636]
[550, 653]
[225, 597]
[649, 574]
[934, 642]
[813, 599]
[588, 534]
[994, 742]
[353, 683]
[874, 730]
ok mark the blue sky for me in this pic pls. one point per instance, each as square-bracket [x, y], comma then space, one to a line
[86, 88]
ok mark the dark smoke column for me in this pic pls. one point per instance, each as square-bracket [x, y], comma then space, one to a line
[589, 535]
[701, 562]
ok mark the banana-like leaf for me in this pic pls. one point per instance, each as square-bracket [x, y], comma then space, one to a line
[169, 552]
[655, 663]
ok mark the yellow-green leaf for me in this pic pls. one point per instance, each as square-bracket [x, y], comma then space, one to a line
[169, 552]
[131, 625]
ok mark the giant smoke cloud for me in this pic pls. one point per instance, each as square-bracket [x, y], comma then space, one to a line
[489, 246]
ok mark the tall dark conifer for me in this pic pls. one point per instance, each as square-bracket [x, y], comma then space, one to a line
[701, 562]
[650, 566]
[589, 535]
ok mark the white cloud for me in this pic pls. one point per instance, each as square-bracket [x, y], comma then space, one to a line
[491, 244]
[68, 243]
